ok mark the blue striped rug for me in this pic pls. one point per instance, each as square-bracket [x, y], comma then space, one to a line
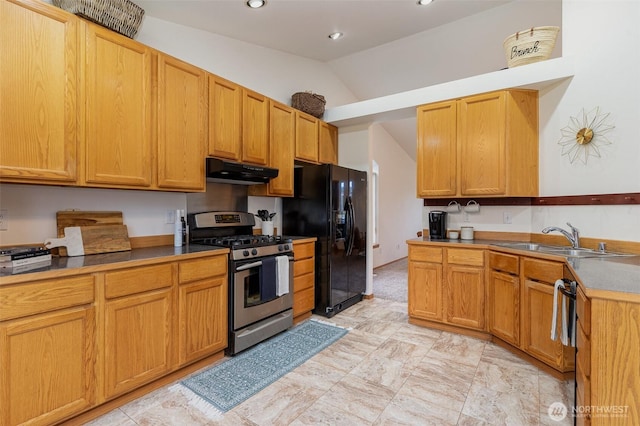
[233, 381]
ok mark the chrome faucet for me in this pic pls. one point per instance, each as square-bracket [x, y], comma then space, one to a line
[573, 237]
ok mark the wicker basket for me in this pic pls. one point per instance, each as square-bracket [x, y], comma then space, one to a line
[528, 46]
[309, 102]
[121, 16]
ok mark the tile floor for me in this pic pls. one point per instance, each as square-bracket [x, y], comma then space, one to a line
[383, 372]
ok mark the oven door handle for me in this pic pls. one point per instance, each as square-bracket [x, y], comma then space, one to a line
[254, 264]
[249, 266]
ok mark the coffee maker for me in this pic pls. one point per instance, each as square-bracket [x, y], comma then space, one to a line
[437, 225]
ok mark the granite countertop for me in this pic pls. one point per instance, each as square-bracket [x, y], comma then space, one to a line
[61, 266]
[617, 274]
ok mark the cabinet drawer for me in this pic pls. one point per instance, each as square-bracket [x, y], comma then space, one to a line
[304, 266]
[465, 257]
[44, 296]
[198, 269]
[542, 270]
[303, 301]
[303, 282]
[583, 310]
[425, 254]
[504, 262]
[303, 250]
[137, 280]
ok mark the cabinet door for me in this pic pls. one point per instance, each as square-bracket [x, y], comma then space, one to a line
[425, 290]
[328, 143]
[47, 366]
[137, 340]
[536, 324]
[437, 150]
[504, 306]
[225, 118]
[182, 124]
[38, 93]
[482, 140]
[203, 318]
[118, 110]
[255, 127]
[282, 133]
[465, 296]
[306, 137]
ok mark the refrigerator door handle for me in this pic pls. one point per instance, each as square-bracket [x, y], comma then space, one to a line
[351, 214]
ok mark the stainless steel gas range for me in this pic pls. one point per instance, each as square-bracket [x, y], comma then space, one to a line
[260, 275]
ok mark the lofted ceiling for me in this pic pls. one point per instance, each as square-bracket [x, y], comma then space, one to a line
[301, 27]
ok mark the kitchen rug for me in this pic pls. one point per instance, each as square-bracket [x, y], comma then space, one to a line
[233, 381]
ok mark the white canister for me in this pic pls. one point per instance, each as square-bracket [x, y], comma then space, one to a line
[466, 232]
[267, 228]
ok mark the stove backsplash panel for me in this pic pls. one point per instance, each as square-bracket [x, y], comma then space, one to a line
[219, 196]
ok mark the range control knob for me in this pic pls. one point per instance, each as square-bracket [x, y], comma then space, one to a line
[245, 253]
[280, 247]
[254, 252]
[286, 246]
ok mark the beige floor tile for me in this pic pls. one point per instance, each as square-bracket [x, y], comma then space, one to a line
[388, 373]
[500, 408]
[315, 374]
[322, 413]
[509, 378]
[358, 396]
[465, 420]
[411, 411]
[279, 404]
[445, 376]
[114, 418]
[464, 349]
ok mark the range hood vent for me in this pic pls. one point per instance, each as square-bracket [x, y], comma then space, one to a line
[223, 171]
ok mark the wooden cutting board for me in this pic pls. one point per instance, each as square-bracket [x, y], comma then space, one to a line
[74, 218]
[83, 240]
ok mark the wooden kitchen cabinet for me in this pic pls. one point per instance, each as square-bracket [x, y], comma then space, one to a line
[182, 116]
[503, 297]
[303, 279]
[483, 145]
[138, 327]
[464, 288]
[225, 118]
[425, 283]
[118, 110]
[306, 137]
[583, 355]
[202, 308]
[39, 93]
[282, 133]
[327, 143]
[47, 350]
[255, 127]
[538, 278]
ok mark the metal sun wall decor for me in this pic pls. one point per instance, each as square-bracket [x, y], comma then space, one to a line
[585, 135]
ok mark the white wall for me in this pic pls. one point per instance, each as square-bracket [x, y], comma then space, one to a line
[399, 209]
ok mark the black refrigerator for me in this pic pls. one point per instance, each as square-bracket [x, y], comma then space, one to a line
[330, 203]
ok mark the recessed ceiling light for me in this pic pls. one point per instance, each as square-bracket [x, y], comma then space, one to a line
[255, 4]
[336, 35]
[424, 2]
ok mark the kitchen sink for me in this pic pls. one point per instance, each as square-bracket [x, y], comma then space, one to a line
[561, 251]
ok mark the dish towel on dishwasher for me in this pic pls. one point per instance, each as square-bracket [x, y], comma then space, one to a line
[282, 275]
[566, 337]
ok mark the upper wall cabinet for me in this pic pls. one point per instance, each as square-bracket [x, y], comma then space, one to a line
[484, 145]
[225, 118]
[306, 137]
[255, 127]
[118, 101]
[38, 93]
[182, 124]
[327, 143]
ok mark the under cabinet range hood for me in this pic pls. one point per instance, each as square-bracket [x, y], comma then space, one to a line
[223, 171]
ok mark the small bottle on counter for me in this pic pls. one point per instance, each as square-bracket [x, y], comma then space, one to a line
[183, 223]
[177, 230]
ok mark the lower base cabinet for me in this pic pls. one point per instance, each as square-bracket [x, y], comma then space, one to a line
[304, 279]
[68, 345]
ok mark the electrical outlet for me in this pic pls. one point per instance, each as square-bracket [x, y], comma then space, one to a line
[4, 220]
[170, 216]
[506, 217]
